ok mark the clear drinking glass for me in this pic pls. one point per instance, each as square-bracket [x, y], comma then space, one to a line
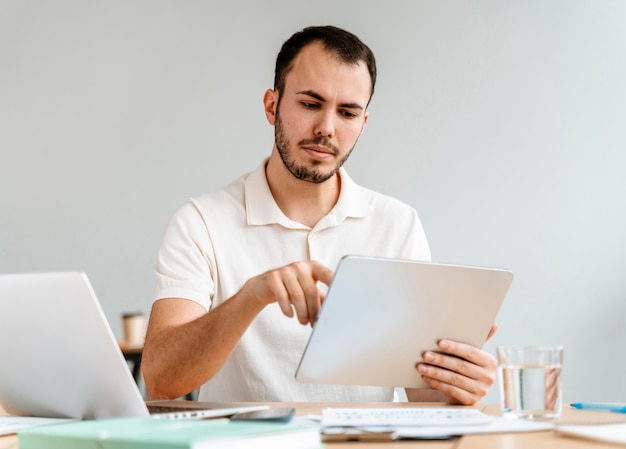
[530, 381]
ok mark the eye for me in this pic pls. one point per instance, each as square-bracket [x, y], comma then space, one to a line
[310, 105]
[348, 114]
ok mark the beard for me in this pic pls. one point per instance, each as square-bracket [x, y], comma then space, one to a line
[309, 173]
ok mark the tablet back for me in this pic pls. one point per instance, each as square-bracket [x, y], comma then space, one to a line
[380, 315]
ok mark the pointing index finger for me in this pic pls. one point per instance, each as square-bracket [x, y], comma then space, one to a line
[321, 273]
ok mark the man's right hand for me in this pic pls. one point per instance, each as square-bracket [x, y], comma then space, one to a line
[185, 346]
[293, 287]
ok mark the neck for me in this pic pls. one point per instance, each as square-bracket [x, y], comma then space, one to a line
[301, 201]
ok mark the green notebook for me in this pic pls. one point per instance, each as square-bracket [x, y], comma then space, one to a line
[154, 433]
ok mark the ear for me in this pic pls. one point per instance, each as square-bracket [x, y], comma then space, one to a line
[270, 101]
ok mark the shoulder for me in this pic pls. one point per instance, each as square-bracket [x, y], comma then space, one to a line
[386, 210]
[392, 215]
[233, 193]
[228, 199]
[383, 204]
[382, 200]
[395, 224]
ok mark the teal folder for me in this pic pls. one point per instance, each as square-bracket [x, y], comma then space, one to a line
[155, 433]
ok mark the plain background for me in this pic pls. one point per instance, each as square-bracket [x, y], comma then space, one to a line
[501, 122]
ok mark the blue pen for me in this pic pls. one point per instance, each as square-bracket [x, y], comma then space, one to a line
[603, 407]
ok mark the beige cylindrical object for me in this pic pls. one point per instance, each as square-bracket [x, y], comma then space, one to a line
[133, 324]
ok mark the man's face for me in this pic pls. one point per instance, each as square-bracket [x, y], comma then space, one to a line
[320, 113]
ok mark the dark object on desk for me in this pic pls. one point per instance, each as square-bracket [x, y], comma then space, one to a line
[270, 415]
[350, 434]
[615, 408]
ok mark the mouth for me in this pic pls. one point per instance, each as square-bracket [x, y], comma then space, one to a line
[319, 151]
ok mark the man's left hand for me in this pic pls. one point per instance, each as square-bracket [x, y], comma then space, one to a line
[463, 373]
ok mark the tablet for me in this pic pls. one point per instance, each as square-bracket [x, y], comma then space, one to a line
[380, 315]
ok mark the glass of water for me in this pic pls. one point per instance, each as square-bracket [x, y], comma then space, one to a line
[530, 381]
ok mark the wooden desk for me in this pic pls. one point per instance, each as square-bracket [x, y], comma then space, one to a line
[530, 440]
[534, 440]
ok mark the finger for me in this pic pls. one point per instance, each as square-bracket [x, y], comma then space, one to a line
[456, 386]
[322, 297]
[470, 353]
[455, 394]
[298, 282]
[464, 372]
[492, 331]
[467, 378]
[450, 364]
[314, 314]
[272, 283]
[312, 294]
[321, 273]
[310, 300]
[294, 288]
[313, 302]
[301, 282]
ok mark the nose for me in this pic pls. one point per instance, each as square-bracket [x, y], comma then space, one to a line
[325, 126]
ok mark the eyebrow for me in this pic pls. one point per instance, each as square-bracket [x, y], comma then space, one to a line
[312, 93]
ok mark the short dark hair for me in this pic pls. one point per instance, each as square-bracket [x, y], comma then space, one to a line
[345, 45]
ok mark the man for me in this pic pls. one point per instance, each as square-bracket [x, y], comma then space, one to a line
[239, 269]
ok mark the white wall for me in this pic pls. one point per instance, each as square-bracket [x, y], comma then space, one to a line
[500, 121]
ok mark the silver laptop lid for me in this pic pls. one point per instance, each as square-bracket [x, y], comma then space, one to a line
[60, 358]
[59, 355]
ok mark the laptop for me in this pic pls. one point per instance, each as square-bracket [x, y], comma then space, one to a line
[380, 315]
[60, 359]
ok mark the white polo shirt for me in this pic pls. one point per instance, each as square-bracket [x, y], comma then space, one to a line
[217, 241]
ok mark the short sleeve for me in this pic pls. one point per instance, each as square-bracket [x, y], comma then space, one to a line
[185, 264]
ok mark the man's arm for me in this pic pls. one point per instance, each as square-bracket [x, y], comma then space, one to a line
[185, 345]
[462, 375]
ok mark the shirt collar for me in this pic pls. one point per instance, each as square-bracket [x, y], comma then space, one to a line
[261, 209]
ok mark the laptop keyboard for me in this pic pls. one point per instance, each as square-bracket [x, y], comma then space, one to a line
[174, 412]
[166, 409]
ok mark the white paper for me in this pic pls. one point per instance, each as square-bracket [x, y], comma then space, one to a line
[427, 422]
[610, 433]
[13, 424]
[498, 425]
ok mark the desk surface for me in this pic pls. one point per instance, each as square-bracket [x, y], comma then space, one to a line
[130, 349]
[535, 440]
